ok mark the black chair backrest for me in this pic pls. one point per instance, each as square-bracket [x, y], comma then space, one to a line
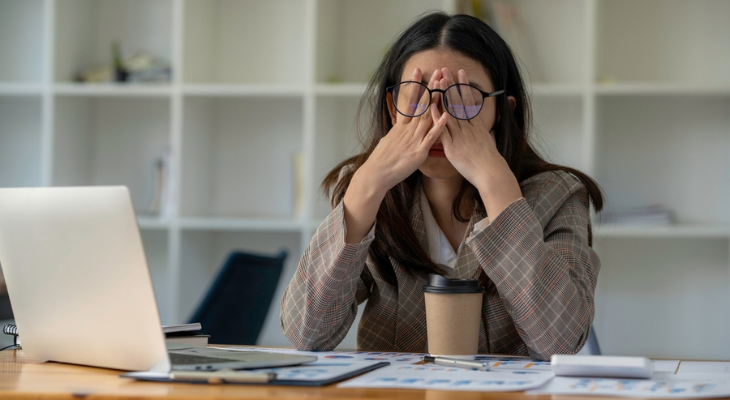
[235, 307]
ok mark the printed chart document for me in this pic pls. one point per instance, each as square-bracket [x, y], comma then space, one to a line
[692, 380]
[429, 376]
[407, 370]
[644, 388]
[671, 379]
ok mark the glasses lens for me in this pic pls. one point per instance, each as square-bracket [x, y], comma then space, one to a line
[463, 101]
[411, 98]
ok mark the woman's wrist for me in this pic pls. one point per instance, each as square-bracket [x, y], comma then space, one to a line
[498, 191]
[367, 186]
[361, 203]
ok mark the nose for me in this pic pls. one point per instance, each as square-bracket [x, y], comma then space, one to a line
[438, 99]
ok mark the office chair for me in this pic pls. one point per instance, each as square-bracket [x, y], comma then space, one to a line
[591, 347]
[595, 349]
[235, 307]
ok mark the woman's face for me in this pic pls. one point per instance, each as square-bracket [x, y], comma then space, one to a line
[437, 166]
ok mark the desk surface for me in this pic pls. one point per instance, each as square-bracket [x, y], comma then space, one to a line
[21, 377]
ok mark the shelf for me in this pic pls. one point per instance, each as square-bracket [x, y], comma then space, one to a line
[662, 88]
[244, 41]
[20, 89]
[264, 100]
[249, 90]
[86, 29]
[152, 223]
[341, 89]
[21, 41]
[669, 231]
[112, 90]
[555, 90]
[240, 224]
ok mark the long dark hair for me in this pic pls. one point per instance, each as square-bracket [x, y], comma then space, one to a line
[471, 37]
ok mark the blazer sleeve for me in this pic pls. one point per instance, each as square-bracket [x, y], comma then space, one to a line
[538, 255]
[320, 303]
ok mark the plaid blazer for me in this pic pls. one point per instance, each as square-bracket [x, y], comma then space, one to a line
[534, 261]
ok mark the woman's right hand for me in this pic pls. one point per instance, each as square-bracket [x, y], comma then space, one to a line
[405, 147]
[398, 154]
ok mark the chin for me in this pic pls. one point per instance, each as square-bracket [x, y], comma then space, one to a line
[438, 168]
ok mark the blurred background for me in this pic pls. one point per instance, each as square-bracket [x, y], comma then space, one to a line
[223, 116]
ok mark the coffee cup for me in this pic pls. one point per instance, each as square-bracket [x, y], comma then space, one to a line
[453, 314]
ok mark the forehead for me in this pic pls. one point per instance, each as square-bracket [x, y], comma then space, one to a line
[431, 60]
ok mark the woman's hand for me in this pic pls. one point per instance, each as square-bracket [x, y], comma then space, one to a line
[470, 147]
[403, 149]
[406, 145]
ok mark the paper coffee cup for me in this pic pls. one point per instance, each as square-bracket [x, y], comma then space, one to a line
[453, 315]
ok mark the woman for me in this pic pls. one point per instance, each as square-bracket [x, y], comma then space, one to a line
[449, 184]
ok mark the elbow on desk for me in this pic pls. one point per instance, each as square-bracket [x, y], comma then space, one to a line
[538, 351]
[299, 334]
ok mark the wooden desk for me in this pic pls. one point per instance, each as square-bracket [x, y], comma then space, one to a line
[21, 377]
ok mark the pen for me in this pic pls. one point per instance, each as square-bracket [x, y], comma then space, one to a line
[453, 362]
[223, 376]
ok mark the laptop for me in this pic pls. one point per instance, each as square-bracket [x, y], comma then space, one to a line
[80, 288]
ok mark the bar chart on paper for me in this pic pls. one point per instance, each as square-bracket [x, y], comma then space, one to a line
[434, 377]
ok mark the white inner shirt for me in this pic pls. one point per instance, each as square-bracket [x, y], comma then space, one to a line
[439, 247]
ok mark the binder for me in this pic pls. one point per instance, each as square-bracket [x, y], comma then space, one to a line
[286, 376]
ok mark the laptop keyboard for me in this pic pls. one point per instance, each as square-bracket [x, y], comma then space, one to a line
[185, 359]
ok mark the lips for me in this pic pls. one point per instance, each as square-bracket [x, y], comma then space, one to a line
[437, 150]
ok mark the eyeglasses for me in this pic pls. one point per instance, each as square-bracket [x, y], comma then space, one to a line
[461, 101]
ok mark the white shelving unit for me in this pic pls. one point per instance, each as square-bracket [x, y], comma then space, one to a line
[634, 92]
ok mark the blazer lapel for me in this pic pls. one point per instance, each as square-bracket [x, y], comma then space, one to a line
[466, 263]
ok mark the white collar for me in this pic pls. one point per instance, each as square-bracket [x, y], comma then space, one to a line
[439, 247]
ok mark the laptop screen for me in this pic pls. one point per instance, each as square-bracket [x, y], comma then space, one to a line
[77, 277]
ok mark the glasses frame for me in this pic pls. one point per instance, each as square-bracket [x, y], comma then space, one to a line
[390, 89]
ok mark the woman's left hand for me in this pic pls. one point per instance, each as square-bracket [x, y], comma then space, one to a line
[470, 147]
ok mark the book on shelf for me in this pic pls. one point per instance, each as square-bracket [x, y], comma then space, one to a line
[159, 204]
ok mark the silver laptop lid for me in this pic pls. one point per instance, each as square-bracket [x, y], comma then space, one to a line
[78, 279]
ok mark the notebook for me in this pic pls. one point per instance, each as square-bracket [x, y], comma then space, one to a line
[81, 290]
